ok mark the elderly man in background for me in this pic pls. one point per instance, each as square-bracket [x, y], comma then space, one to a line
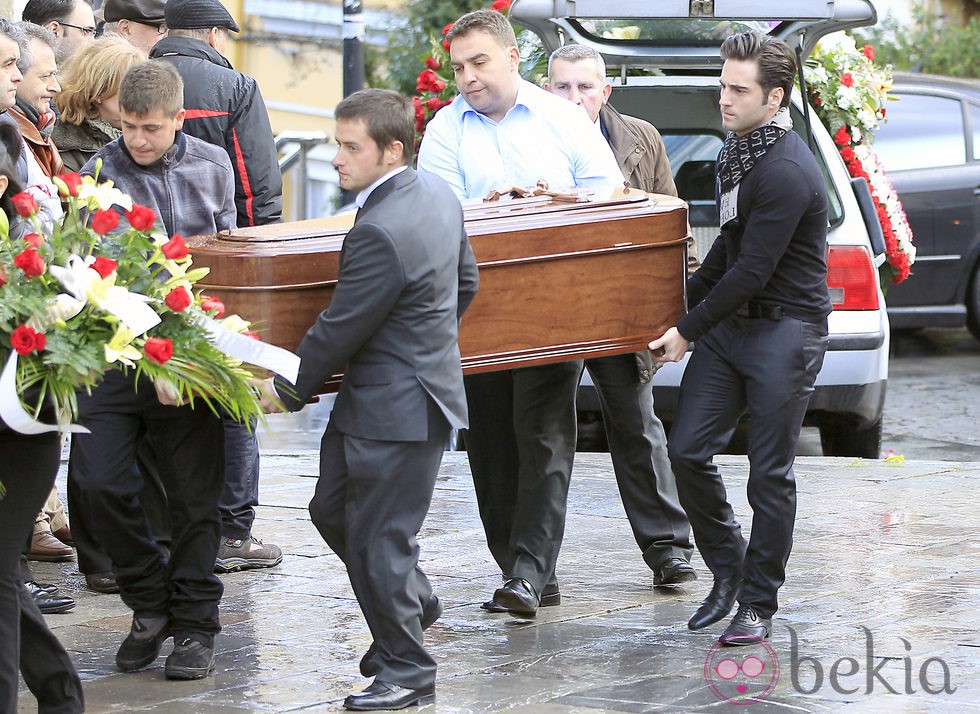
[637, 441]
[71, 21]
[35, 93]
[139, 22]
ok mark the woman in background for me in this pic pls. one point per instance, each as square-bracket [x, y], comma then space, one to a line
[89, 110]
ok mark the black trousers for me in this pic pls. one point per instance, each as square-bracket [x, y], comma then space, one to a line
[241, 492]
[521, 444]
[638, 447]
[28, 466]
[767, 367]
[370, 502]
[189, 447]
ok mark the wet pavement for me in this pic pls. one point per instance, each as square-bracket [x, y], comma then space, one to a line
[880, 613]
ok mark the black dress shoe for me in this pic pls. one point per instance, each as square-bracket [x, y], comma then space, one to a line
[747, 628]
[142, 645]
[718, 604]
[382, 695]
[50, 602]
[102, 582]
[674, 572]
[519, 597]
[431, 611]
[550, 597]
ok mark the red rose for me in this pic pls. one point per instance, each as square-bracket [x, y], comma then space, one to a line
[175, 248]
[500, 5]
[34, 239]
[104, 221]
[159, 349]
[881, 112]
[448, 27]
[103, 266]
[432, 63]
[24, 204]
[869, 52]
[178, 299]
[141, 218]
[847, 153]
[437, 86]
[3, 278]
[30, 262]
[847, 79]
[25, 340]
[445, 45]
[425, 80]
[433, 104]
[210, 304]
[73, 181]
[842, 137]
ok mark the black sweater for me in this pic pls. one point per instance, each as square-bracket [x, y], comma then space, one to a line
[775, 251]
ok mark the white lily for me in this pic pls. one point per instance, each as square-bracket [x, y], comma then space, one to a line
[120, 349]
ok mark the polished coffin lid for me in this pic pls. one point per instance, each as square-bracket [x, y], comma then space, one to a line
[559, 280]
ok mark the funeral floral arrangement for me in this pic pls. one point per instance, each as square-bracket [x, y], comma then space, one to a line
[848, 92]
[106, 291]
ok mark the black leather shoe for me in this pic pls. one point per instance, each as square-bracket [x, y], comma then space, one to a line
[102, 582]
[550, 597]
[519, 597]
[747, 628]
[431, 611]
[674, 572]
[49, 601]
[142, 644]
[718, 604]
[382, 695]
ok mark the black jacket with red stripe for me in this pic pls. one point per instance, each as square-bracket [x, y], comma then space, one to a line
[225, 108]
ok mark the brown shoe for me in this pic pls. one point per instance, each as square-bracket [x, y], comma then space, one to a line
[46, 547]
[64, 535]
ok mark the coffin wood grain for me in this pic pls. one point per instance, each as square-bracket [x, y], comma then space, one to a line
[558, 281]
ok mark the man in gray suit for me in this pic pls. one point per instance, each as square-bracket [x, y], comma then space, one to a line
[406, 275]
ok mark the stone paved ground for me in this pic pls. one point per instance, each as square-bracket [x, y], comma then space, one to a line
[882, 604]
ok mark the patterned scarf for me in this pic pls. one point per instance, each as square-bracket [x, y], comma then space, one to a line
[740, 154]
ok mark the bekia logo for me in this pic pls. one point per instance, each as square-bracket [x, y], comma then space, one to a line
[741, 677]
[749, 675]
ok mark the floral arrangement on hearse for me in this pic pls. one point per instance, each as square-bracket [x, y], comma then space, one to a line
[848, 92]
[104, 291]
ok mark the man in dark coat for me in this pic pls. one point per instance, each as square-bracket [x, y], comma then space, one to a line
[402, 288]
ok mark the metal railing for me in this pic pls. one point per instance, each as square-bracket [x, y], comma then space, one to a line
[294, 148]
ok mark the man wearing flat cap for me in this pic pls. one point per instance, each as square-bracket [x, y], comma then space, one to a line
[225, 108]
[140, 22]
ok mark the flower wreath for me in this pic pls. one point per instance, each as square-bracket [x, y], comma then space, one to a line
[848, 92]
[100, 293]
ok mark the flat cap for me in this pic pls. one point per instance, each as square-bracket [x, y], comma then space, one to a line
[198, 14]
[148, 12]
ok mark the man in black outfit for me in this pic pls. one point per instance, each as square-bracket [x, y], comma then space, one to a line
[759, 317]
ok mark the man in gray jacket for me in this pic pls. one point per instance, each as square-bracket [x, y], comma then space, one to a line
[637, 442]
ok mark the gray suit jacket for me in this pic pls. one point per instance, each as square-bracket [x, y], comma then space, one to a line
[406, 275]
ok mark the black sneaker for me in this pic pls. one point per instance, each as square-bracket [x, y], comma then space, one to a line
[142, 645]
[245, 554]
[189, 660]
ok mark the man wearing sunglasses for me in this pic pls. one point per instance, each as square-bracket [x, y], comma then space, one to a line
[71, 21]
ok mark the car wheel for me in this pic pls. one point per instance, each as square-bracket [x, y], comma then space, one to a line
[973, 304]
[839, 436]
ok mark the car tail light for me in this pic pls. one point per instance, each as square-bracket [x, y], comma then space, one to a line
[851, 278]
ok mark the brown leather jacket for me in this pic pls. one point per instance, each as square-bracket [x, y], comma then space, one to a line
[42, 147]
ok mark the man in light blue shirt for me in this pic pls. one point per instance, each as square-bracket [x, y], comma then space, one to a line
[501, 132]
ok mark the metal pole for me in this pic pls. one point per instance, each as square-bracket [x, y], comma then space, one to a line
[353, 32]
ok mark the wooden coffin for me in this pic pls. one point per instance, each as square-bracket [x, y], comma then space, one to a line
[558, 280]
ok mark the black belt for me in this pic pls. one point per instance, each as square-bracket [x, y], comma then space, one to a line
[757, 310]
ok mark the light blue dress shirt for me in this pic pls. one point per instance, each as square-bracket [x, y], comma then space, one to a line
[541, 137]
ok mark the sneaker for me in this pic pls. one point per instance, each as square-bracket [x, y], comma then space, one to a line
[142, 644]
[189, 660]
[245, 554]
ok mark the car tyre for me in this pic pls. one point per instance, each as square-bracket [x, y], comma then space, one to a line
[840, 436]
[973, 304]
